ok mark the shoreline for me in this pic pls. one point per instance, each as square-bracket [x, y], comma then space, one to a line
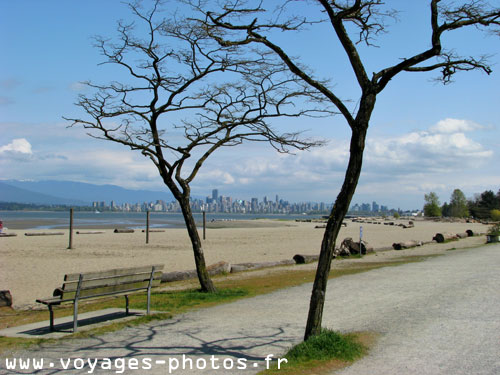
[32, 267]
[33, 220]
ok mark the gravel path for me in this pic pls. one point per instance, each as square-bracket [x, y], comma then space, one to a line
[440, 316]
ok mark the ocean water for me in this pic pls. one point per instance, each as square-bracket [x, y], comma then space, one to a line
[60, 219]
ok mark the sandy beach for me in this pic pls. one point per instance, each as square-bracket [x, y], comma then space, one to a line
[32, 266]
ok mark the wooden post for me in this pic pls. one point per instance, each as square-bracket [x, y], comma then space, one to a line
[360, 241]
[204, 225]
[147, 227]
[70, 246]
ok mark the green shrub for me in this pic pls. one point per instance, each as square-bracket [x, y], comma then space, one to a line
[326, 346]
[495, 215]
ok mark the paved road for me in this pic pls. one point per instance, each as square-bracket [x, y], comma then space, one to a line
[440, 316]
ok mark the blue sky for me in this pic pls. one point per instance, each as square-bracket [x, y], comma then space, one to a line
[423, 136]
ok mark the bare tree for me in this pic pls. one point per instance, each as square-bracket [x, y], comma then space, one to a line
[353, 22]
[184, 97]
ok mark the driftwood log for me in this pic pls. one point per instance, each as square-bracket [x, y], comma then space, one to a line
[8, 234]
[177, 276]
[349, 246]
[303, 259]
[214, 269]
[90, 232]
[462, 235]
[154, 230]
[255, 266]
[442, 237]
[5, 298]
[219, 268]
[45, 234]
[406, 245]
[118, 230]
[404, 226]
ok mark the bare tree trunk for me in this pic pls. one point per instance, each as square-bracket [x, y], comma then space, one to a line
[199, 258]
[333, 226]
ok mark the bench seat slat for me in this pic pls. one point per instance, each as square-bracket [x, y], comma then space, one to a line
[113, 272]
[110, 281]
[94, 291]
[49, 301]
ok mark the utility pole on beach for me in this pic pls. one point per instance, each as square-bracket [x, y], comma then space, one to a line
[70, 246]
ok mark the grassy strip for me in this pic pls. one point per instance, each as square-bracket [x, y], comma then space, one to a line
[172, 303]
[323, 353]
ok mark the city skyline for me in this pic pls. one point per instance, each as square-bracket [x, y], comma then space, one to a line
[216, 203]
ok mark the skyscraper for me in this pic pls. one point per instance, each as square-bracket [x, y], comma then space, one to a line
[215, 194]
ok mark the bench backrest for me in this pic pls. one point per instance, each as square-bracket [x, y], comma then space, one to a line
[121, 280]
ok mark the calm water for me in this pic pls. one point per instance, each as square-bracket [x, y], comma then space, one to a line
[53, 220]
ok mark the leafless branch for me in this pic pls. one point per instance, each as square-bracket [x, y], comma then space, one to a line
[177, 69]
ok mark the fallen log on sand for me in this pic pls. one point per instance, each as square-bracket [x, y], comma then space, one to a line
[303, 259]
[221, 268]
[406, 245]
[154, 230]
[178, 275]
[442, 237]
[255, 266]
[8, 234]
[5, 298]
[45, 234]
[462, 235]
[349, 246]
[214, 269]
[90, 232]
[123, 231]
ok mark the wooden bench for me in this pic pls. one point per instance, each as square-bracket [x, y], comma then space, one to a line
[78, 286]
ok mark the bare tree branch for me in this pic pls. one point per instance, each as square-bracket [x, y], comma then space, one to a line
[225, 97]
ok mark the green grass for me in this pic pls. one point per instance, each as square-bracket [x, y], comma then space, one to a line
[180, 301]
[327, 345]
[326, 351]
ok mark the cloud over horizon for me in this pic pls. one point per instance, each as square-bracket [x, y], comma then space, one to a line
[436, 158]
[18, 148]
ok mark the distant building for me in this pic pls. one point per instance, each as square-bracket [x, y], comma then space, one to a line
[255, 204]
[366, 207]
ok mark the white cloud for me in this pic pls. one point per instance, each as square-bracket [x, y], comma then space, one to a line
[451, 125]
[215, 177]
[18, 145]
[445, 147]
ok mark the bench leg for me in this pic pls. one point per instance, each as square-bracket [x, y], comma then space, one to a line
[75, 315]
[149, 301]
[51, 313]
[126, 304]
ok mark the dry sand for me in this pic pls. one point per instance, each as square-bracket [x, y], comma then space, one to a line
[31, 267]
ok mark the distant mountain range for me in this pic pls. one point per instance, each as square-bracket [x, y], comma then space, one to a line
[74, 193]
